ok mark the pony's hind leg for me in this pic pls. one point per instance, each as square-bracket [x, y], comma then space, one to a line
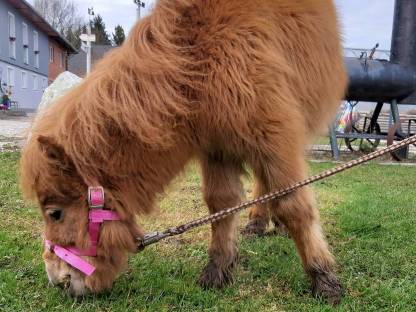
[298, 213]
[259, 216]
[222, 188]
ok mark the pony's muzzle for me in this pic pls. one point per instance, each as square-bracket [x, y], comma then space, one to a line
[63, 276]
[73, 285]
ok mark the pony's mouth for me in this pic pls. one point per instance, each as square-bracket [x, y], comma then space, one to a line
[65, 283]
[73, 286]
[60, 275]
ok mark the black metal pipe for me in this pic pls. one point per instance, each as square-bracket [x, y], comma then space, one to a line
[382, 81]
[378, 81]
[403, 43]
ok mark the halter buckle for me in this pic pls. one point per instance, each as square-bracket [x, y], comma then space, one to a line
[96, 197]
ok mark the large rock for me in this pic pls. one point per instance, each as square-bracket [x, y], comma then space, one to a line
[62, 84]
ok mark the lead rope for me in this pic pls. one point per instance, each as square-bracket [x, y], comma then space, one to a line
[154, 237]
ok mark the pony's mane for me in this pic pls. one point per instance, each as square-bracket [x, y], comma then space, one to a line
[139, 92]
[136, 88]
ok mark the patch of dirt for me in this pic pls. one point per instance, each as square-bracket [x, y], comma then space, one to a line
[14, 131]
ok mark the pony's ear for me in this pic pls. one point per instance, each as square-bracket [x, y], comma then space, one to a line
[52, 149]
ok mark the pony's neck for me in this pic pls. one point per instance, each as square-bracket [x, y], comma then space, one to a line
[122, 125]
[146, 173]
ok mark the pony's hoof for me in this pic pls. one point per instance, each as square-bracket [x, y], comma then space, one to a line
[255, 226]
[326, 285]
[215, 277]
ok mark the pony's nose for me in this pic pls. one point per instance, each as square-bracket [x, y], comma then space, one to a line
[65, 282]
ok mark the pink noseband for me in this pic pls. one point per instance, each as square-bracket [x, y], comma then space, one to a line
[97, 215]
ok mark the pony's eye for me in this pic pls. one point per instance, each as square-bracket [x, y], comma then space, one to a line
[54, 214]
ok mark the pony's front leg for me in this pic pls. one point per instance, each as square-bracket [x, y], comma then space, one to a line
[222, 188]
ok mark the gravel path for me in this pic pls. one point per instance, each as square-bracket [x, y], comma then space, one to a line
[13, 131]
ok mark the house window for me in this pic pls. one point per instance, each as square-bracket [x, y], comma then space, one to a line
[35, 82]
[25, 40]
[10, 76]
[26, 55]
[24, 80]
[45, 83]
[12, 26]
[36, 60]
[51, 55]
[25, 35]
[36, 48]
[12, 36]
[35, 41]
[62, 59]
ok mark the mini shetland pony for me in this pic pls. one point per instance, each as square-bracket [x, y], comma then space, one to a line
[229, 82]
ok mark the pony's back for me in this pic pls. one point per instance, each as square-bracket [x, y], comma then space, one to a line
[278, 58]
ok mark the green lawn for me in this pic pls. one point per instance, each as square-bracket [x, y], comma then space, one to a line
[368, 214]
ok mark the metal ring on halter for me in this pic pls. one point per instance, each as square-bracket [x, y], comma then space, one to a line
[96, 197]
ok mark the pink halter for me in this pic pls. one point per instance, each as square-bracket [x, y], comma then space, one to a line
[97, 215]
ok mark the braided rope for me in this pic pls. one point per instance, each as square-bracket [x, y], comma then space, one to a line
[154, 237]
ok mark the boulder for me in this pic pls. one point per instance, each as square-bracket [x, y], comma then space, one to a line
[62, 84]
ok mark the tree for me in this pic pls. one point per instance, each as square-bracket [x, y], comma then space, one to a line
[98, 28]
[118, 35]
[63, 15]
[72, 35]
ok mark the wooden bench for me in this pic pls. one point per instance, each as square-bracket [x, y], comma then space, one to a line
[14, 105]
[385, 122]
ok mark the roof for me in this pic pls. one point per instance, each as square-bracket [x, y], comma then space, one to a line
[28, 11]
[77, 63]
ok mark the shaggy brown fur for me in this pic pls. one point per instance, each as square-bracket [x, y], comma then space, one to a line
[226, 81]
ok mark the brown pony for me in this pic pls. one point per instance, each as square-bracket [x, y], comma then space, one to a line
[229, 82]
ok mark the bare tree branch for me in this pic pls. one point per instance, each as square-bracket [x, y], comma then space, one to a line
[63, 15]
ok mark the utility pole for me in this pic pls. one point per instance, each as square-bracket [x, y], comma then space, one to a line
[90, 14]
[140, 4]
[88, 38]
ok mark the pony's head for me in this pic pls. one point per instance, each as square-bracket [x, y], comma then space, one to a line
[123, 121]
[49, 176]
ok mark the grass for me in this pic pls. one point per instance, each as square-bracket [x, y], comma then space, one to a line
[368, 215]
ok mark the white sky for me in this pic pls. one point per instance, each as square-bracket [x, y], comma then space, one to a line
[364, 22]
